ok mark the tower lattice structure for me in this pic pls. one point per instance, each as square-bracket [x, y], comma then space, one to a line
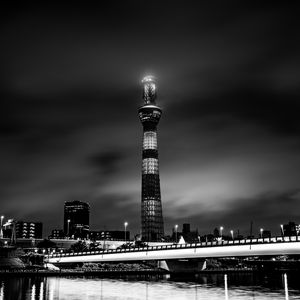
[151, 209]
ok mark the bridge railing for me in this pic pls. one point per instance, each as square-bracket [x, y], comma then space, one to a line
[276, 239]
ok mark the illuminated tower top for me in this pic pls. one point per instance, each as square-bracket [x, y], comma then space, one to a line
[149, 89]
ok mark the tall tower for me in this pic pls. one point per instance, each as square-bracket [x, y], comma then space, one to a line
[149, 114]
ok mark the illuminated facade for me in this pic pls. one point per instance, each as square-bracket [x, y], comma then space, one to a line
[149, 114]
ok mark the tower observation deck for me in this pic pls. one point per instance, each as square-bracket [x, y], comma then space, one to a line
[151, 210]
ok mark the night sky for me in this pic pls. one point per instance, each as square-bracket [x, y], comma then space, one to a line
[229, 85]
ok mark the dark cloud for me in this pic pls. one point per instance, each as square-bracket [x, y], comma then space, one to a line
[106, 163]
[112, 210]
[275, 111]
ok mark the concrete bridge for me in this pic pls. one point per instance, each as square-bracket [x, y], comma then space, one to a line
[186, 252]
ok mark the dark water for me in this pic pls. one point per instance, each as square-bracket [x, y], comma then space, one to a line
[231, 286]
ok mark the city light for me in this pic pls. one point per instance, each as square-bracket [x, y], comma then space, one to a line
[221, 231]
[261, 232]
[148, 78]
[68, 231]
[9, 222]
[176, 227]
[231, 231]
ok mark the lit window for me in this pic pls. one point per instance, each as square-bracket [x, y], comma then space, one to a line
[150, 166]
[150, 140]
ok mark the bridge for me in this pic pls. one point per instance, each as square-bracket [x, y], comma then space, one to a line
[189, 252]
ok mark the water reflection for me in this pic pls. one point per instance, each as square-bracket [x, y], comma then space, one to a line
[286, 289]
[1, 291]
[228, 286]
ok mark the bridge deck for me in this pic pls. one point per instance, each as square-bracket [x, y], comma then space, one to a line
[245, 247]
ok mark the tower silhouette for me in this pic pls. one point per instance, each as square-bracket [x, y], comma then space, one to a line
[149, 114]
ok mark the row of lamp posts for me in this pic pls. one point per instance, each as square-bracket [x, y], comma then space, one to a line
[126, 224]
[261, 230]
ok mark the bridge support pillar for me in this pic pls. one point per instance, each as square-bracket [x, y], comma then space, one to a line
[182, 265]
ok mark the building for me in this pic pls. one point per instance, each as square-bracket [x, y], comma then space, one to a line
[188, 235]
[76, 219]
[151, 211]
[29, 230]
[57, 234]
[266, 234]
[186, 228]
[109, 235]
[290, 229]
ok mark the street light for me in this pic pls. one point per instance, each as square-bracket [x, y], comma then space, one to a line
[125, 225]
[221, 231]
[68, 232]
[282, 232]
[176, 227]
[261, 232]
[1, 231]
[231, 231]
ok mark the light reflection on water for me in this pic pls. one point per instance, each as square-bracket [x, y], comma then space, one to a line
[231, 286]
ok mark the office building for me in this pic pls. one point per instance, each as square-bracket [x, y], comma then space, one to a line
[290, 229]
[76, 219]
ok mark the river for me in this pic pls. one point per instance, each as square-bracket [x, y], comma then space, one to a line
[212, 286]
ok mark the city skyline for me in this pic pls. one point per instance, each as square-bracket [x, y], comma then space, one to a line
[228, 80]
